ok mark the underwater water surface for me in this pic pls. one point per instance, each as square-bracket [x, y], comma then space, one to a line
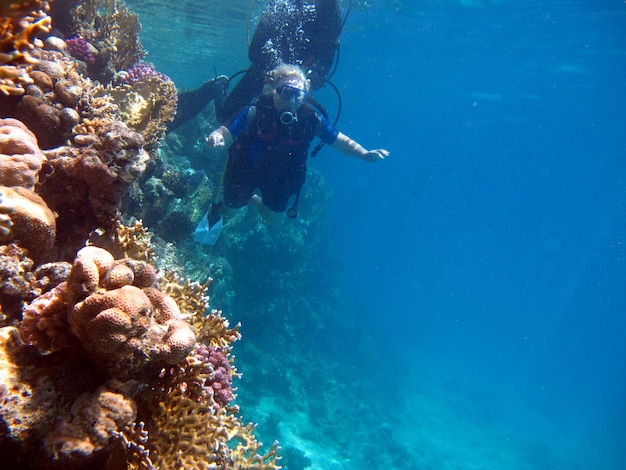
[477, 315]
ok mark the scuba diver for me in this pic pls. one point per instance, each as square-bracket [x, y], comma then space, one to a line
[300, 32]
[268, 147]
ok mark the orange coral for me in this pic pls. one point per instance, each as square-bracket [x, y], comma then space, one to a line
[20, 22]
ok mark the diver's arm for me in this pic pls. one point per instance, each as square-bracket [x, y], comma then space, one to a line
[347, 146]
[220, 137]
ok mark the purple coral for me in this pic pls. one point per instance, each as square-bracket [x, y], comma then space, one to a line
[218, 368]
[79, 48]
[138, 72]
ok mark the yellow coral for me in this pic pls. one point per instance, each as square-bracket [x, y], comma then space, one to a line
[135, 241]
[146, 106]
[20, 22]
[188, 431]
[193, 300]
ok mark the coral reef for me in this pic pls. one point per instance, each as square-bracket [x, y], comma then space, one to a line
[164, 400]
[107, 362]
[108, 34]
[20, 22]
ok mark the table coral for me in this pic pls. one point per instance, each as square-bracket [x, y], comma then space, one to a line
[20, 22]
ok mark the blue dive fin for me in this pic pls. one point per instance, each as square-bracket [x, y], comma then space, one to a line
[205, 234]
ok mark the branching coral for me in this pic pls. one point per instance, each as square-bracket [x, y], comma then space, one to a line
[113, 31]
[20, 22]
[147, 106]
[191, 427]
[134, 241]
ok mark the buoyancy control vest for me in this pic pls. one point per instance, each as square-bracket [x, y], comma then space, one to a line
[266, 140]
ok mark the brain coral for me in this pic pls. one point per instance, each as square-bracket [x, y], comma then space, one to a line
[128, 327]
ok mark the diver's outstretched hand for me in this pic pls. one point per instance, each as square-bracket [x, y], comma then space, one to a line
[220, 137]
[375, 155]
[215, 139]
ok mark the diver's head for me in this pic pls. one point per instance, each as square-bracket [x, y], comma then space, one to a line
[289, 88]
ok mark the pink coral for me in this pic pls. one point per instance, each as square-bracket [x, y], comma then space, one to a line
[44, 323]
[20, 156]
[138, 72]
[219, 378]
[126, 327]
[33, 223]
[79, 47]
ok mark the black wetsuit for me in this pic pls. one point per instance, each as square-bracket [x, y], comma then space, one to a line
[299, 32]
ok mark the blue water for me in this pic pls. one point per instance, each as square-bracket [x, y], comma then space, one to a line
[481, 269]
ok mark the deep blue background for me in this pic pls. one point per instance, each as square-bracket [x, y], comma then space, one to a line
[491, 244]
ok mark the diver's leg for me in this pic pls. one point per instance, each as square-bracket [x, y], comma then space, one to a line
[190, 103]
[269, 216]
